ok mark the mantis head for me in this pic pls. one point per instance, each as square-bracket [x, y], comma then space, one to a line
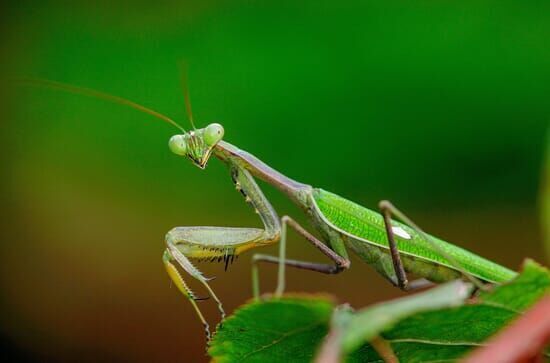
[197, 144]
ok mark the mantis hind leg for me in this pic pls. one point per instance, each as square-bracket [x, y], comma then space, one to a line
[340, 263]
[388, 209]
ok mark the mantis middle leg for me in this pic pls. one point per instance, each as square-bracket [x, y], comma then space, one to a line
[340, 263]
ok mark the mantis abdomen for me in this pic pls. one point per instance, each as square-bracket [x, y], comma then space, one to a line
[363, 231]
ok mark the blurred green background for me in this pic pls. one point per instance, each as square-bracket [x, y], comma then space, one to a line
[440, 107]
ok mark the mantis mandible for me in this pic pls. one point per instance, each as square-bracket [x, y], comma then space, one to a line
[393, 248]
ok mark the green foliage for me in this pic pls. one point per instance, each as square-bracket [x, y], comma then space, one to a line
[434, 325]
[368, 323]
[274, 330]
[522, 292]
[446, 334]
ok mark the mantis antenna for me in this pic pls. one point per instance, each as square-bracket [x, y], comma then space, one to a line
[97, 94]
[185, 87]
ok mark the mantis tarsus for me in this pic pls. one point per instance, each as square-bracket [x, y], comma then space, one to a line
[393, 248]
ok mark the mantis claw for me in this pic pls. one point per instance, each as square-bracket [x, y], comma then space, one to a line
[201, 298]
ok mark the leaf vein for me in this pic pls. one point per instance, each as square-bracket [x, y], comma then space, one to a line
[282, 337]
[435, 342]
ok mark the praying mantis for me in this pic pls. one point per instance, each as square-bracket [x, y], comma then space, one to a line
[395, 249]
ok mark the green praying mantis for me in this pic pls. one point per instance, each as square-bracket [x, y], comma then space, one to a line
[395, 249]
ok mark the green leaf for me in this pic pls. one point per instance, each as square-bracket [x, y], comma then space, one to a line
[446, 334]
[435, 325]
[523, 291]
[370, 322]
[276, 330]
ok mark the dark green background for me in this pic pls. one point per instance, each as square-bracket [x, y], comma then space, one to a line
[440, 107]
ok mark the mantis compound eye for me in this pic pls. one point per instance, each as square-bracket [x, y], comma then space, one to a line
[213, 133]
[178, 145]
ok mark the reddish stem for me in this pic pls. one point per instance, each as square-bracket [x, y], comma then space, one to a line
[522, 341]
